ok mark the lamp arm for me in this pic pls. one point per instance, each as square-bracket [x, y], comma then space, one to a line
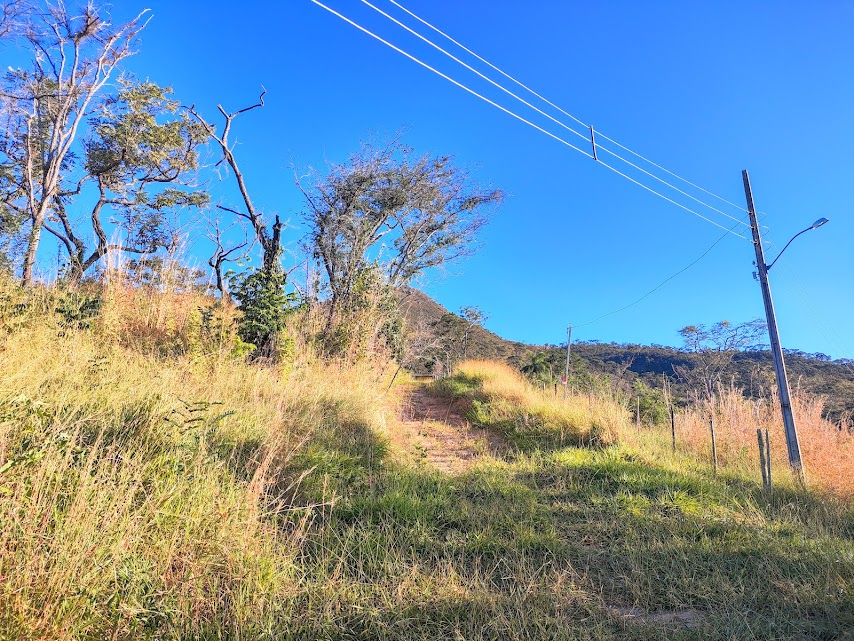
[768, 267]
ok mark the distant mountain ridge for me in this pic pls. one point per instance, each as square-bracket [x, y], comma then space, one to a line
[447, 337]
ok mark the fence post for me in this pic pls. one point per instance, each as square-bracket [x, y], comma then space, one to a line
[714, 445]
[672, 427]
[762, 456]
[768, 456]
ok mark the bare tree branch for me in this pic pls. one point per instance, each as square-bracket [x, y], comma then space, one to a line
[269, 238]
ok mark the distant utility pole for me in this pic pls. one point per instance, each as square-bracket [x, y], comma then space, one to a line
[776, 350]
[566, 371]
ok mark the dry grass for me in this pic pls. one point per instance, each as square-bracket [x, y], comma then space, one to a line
[141, 493]
[827, 448]
[153, 485]
[501, 398]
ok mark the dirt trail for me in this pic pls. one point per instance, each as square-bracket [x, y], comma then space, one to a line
[432, 430]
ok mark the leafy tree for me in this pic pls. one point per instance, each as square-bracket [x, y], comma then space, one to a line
[651, 402]
[538, 367]
[388, 208]
[137, 155]
[265, 307]
[73, 56]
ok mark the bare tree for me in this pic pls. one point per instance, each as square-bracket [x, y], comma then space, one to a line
[474, 317]
[386, 207]
[714, 349]
[44, 106]
[225, 252]
[11, 12]
[269, 238]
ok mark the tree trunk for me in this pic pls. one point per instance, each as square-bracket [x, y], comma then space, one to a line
[30, 256]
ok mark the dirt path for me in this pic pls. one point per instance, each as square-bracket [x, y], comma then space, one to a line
[431, 429]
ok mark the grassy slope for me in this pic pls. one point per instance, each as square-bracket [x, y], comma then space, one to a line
[132, 508]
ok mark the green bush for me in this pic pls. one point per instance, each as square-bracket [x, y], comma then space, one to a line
[265, 306]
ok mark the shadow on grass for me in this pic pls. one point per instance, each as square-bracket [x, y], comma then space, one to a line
[550, 545]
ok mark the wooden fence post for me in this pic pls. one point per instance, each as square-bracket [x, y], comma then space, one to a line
[714, 445]
[762, 456]
[673, 427]
[768, 456]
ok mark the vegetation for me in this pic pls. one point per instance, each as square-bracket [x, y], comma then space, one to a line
[389, 212]
[498, 398]
[156, 485]
[177, 466]
[641, 371]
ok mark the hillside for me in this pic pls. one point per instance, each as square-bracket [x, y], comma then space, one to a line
[626, 363]
[156, 484]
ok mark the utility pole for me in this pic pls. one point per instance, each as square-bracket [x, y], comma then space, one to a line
[566, 370]
[792, 444]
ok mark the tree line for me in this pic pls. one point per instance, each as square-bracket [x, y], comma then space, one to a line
[98, 164]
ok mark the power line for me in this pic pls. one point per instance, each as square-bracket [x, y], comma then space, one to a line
[486, 62]
[670, 200]
[661, 180]
[540, 111]
[515, 115]
[449, 79]
[553, 105]
[706, 191]
[475, 71]
[659, 286]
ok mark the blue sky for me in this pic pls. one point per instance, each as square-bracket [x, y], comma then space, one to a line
[704, 89]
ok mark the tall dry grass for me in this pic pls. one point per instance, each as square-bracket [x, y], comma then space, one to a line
[827, 448]
[501, 398]
[147, 481]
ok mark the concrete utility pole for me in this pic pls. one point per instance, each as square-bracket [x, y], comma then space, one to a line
[792, 443]
[566, 371]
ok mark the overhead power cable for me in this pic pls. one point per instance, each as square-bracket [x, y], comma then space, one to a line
[449, 79]
[555, 106]
[541, 112]
[517, 116]
[475, 71]
[659, 286]
[661, 180]
[670, 200]
[486, 62]
[657, 166]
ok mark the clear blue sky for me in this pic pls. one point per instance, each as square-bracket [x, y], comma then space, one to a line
[705, 89]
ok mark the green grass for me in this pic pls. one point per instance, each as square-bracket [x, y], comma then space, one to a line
[558, 545]
[498, 398]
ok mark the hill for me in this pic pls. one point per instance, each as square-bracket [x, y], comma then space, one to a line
[626, 364]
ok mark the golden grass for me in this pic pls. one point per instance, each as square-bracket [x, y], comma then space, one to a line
[140, 492]
[503, 399]
[827, 448]
[155, 486]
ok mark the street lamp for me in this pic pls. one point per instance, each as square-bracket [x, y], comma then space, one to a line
[792, 444]
[815, 225]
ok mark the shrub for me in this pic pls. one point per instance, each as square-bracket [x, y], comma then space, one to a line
[265, 306]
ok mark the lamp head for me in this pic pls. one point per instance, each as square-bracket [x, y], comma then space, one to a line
[819, 223]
